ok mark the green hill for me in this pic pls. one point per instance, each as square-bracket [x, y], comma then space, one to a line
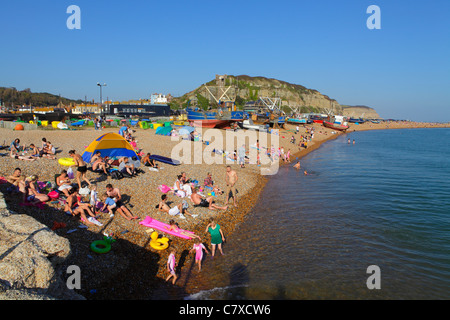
[12, 97]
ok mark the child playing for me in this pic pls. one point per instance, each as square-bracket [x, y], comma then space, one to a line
[171, 264]
[198, 247]
[93, 199]
[108, 203]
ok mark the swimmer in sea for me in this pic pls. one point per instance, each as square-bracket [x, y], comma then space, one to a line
[297, 165]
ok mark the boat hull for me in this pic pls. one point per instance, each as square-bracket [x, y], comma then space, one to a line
[213, 119]
[295, 120]
[335, 126]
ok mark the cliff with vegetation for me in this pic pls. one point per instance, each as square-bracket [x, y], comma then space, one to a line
[11, 97]
[294, 97]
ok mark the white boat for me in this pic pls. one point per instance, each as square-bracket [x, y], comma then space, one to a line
[248, 124]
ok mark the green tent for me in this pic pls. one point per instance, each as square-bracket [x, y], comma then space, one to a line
[164, 131]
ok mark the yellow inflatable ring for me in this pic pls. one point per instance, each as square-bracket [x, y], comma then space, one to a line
[66, 162]
[158, 243]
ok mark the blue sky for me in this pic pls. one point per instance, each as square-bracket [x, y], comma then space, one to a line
[141, 47]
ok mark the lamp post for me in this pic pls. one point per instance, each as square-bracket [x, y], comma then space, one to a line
[101, 101]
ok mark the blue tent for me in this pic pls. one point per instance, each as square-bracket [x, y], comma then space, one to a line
[186, 130]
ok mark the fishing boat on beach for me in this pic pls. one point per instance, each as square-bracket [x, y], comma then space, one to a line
[214, 118]
[297, 120]
[250, 125]
[336, 122]
[266, 110]
[317, 118]
[220, 110]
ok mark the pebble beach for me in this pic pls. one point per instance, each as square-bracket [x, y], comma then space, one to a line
[133, 269]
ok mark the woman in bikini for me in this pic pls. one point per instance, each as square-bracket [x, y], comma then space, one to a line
[81, 167]
[34, 189]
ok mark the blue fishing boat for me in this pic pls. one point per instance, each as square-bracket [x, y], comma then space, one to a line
[296, 120]
[213, 119]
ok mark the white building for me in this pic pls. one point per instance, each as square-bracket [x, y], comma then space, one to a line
[158, 98]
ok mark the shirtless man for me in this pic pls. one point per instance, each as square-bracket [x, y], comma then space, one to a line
[149, 162]
[98, 162]
[16, 177]
[206, 203]
[231, 179]
[117, 197]
[177, 210]
[81, 167]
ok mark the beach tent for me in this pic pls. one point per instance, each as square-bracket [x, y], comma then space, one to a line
[110, 145]
[163, 131]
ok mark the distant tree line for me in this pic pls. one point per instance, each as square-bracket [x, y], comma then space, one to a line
[10, 97]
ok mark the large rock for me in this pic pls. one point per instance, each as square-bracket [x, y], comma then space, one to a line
[29, 252]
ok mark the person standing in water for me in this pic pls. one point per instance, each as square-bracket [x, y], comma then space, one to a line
[198, 248]
[217, 237]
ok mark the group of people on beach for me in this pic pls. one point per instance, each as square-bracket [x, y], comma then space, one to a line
[217, 239]
[32, 152]
[68, 183]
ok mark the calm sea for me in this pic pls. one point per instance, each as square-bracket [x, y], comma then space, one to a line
[383, 201]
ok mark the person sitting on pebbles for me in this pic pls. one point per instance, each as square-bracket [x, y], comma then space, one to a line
[149, 162]
[74, 207]
[114, 193]
[64, 183]
[126, 167]
[204, 202]
[98, 163]
[31, 191]
[16, 177]
[175, 211]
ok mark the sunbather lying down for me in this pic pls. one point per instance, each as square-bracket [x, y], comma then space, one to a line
[13, 154]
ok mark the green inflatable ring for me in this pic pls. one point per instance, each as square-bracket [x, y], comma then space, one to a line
[100, 246]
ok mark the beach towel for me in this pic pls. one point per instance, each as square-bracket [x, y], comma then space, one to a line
[163, 188]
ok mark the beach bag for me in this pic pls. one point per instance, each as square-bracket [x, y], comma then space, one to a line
[70, 173]
[116, 175]
[163, 188]
[99, 205]
[53, 194]
[84, 191]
